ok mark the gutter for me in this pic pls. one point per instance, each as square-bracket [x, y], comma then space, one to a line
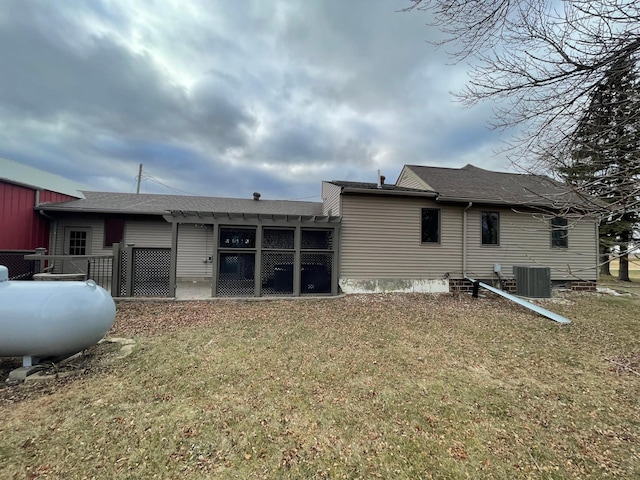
[402, 193]
[53, 231]
[99, 210]
[489, 201]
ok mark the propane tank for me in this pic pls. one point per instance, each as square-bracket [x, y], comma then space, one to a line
[47, 319]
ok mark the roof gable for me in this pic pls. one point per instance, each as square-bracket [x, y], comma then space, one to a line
[14, 172]
[408, 178]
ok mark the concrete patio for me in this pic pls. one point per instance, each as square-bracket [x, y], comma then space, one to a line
[196, 290]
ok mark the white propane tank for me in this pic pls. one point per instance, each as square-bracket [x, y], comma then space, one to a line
[46, 319]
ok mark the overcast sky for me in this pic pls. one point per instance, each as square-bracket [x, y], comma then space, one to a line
[226, 97]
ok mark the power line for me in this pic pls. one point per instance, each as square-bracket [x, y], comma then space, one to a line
[146, 176]
[303, 198]
[177, 190]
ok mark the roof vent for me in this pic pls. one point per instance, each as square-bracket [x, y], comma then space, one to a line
[256, 196]
[382, 179]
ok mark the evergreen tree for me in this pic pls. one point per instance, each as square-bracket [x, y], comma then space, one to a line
[605, 158]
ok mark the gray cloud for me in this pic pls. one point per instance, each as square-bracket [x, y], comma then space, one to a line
[222, 98]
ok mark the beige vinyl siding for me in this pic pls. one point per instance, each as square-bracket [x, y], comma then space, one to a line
[408, 179]
[330, 199]
[381, 238]
[148, 233]
[96, 241]
[142, 233]
[195, 244]
[525, 239]
[96, 224]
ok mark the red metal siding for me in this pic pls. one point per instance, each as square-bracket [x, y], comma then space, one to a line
[21, 227]
[47, 196]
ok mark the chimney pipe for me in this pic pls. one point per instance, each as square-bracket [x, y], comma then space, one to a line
[379, 179]
[256, 196]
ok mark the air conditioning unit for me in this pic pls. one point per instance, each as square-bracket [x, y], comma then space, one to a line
[532, 282]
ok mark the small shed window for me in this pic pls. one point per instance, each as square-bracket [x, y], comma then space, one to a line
[490, 228]
[113, 231]
[430, 225]
[559, 232]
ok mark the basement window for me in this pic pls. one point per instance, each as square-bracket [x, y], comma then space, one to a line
[490, 228]
[430, 225]
[559, 232]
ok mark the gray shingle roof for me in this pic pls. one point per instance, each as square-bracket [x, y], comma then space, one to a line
[484, 186]
[108, 202]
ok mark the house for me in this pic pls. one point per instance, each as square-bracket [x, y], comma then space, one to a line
[435, 227]
[22, 227]
[429, 232]
[240, 247]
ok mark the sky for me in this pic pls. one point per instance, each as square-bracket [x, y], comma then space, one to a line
[224, 97]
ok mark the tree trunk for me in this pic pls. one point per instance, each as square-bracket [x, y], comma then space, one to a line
[623, 272]
[605, 266]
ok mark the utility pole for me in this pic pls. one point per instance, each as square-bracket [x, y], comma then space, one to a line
[139, 179]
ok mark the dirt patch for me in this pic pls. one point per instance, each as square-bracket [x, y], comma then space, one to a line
[626, 364]
[54, 375]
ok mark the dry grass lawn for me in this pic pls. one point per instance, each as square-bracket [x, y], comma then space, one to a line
[379, 386]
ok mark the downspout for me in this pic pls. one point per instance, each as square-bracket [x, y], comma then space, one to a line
[531, 306]
[464, 239]
[53, 236]
[598, 256]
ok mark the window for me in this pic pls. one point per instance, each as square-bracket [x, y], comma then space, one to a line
[316, 267]
[317, 239]
[77, 242]
[430, 225]
[231, 237]
[559, 232]
[113, 231]
[490, 228]
[278, 239]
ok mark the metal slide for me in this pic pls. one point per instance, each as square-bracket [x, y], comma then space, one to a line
[542, 311]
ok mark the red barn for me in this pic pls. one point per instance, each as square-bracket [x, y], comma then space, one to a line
[22, 228]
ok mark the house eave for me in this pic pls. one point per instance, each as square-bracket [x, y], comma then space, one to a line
[382, 191]
[46, 208]
[181, 216]
[504, 203]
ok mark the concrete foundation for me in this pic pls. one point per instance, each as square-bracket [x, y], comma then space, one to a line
[393, 285]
